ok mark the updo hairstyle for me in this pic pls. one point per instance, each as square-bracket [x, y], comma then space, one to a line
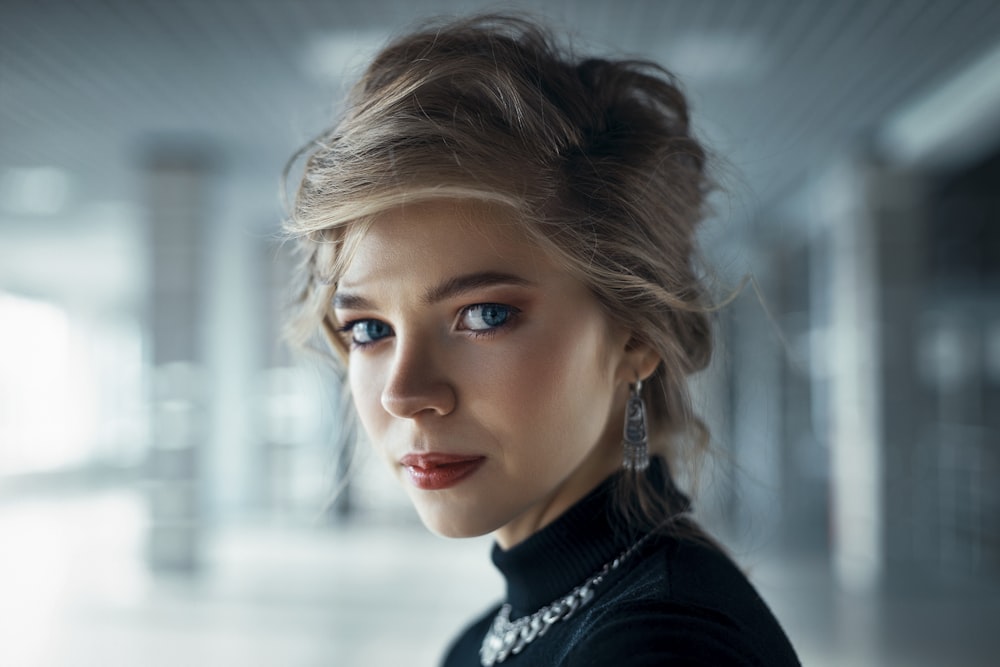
[595, 158]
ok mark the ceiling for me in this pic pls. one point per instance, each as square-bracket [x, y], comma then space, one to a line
[779, 87]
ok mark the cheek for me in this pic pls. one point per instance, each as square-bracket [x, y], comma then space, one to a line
[556, 384]
[366, 394]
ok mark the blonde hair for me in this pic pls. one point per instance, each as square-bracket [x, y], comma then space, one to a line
[595, 157]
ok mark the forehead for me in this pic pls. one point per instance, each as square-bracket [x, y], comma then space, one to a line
[440, 236]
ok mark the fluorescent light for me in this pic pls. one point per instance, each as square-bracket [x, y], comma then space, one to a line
[954, 123]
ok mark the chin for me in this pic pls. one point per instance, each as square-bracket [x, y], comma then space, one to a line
[446, 524]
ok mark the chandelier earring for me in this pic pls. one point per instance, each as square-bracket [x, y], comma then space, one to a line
[635, 440]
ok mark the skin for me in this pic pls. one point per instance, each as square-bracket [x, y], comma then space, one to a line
[534, 384]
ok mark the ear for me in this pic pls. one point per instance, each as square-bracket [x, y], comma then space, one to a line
[639, 360]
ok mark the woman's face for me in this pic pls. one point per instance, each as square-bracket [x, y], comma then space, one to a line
[488, 379]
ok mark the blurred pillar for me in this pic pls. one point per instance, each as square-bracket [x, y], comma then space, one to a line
[176, 193]
[856, 466]
[875, 244]
[234, 289]
[896, 202]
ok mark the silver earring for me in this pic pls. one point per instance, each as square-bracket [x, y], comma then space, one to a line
[635, 443]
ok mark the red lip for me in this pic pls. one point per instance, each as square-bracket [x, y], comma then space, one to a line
[432, 471]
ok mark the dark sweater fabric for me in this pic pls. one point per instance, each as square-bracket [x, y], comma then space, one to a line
[675, 601]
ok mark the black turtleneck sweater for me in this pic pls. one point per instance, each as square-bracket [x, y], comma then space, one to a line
[675, 601]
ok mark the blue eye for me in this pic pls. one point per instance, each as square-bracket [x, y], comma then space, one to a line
[486, 316]
[365, 332]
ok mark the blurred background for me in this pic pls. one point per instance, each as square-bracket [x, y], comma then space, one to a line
[168, 469]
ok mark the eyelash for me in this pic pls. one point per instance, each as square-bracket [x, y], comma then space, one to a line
[479, 334]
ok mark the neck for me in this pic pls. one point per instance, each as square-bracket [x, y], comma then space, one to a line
[593, 470]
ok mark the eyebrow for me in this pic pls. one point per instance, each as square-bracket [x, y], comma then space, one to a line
[447, 289]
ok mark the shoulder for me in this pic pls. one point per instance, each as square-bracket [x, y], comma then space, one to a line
[685, 603]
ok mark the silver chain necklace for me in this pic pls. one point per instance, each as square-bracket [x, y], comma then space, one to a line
[506, 637]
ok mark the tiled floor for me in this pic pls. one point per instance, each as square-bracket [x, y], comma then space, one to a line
[74, 592]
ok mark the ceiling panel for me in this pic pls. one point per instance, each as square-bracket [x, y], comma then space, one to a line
[85, 85]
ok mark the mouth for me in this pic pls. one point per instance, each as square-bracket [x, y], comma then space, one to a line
[432, 471]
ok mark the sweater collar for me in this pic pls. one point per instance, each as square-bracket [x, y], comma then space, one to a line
[566, 552]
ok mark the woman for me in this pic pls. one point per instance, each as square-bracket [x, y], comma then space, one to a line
[499, 246]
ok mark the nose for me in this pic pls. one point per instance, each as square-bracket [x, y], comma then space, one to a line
[417, 383]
